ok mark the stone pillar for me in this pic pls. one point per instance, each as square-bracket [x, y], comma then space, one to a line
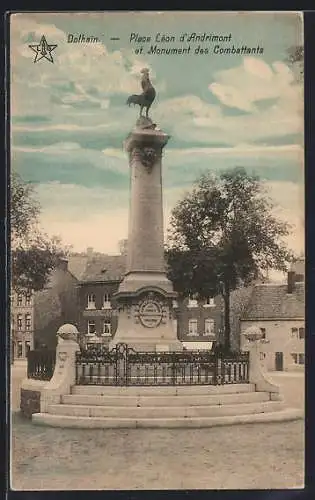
[257, 374]
[145, 295]
[64, 373]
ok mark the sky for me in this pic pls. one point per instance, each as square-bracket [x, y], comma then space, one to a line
[69, 118]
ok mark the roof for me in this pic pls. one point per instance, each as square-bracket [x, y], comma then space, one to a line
[105, 268]
[77, 265]
[272, 301]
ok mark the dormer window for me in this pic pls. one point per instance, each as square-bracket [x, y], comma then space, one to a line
[91, 299]
[209, 302]
[106, 301]
[192, 302]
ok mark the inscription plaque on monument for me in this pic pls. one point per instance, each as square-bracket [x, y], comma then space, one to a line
[150, 313]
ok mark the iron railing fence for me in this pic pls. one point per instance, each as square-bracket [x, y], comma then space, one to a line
[41, 364]
[123, 366]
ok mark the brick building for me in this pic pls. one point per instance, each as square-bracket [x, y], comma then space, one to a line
[195, 321]
[100, 280]
[22, 323]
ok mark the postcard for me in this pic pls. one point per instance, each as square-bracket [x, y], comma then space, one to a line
[157, 250]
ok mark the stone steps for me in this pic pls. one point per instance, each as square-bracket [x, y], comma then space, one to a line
[168, 390]
[164, 400]
[96, 406]
[154, 412]
[177, 422]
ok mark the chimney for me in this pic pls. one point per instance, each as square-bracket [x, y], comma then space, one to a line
[63, 264]
[123, 246]
[89, 252]
[291, 281]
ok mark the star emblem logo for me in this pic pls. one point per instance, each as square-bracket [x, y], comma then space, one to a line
[43, 50]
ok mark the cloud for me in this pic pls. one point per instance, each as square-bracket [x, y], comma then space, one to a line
[271, 106]
[83, 75]
[254, 80]
[99, 216]
[69, 163]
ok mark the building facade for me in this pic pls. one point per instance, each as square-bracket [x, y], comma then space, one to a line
[22, 323]
[55, 305]
[278, 310]
[195, 321]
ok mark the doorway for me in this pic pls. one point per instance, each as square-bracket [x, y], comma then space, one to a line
[279, 361]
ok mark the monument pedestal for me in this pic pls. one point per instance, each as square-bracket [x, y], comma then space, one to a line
[145, 296]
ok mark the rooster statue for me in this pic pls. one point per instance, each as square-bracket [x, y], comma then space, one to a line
[147, 97]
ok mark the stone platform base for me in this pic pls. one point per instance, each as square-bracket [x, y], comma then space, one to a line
[170, 407]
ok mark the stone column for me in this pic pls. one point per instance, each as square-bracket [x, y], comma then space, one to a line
[145, 295]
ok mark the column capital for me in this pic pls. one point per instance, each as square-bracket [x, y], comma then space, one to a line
[142, 138]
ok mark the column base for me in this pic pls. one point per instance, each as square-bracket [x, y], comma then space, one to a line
[145, 345]
[136, 281]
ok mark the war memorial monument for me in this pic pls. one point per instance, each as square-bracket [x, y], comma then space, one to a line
[144, 378]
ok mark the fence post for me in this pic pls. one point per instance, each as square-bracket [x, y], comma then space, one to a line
[215, 374]
[64, 373]
[126, 360]
[174, 369]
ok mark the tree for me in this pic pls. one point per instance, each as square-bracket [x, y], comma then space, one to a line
[223, 235]
[295, 59]
[33, 253]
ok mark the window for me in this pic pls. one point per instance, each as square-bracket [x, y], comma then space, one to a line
[192, 327]
[192, 302]
[209, 326]
[19, 321]
[91, 327]
[106, 327]
[106, 301]
[263, 331]
[19, 299]
[28, 299]
[209, 302]
[302, 333]
[91, 301]
[19, 350]
[27, 347]
[262, 356]
[294, 332]
[27, 321]
[298, 358]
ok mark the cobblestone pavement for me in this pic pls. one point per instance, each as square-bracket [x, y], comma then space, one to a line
[236, 457]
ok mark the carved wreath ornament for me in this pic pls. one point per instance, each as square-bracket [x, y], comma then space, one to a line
[148, 157]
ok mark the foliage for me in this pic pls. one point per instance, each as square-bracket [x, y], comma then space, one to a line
[24, 208]
[295, 59]
[224, 234]
[33, 254]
